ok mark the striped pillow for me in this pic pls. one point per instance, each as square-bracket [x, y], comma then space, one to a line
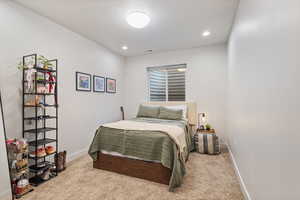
[207, 143]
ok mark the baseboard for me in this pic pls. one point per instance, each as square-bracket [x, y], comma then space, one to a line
[238, 174]
[77, 154]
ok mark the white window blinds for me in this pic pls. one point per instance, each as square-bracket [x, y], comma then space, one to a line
[167, 83]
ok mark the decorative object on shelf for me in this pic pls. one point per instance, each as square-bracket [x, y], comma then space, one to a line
[99, 83]
[111, 85]
[17, 150]
[21, 164]
[83, 82]
[208, 127]
[211, 131]
[42, 89]
[44, 63]
[40, 77]
[60, 160]
[46, 175]
[202, 120]
[51, 81]
[22, 186]
[39, 153]
[29, 77]
[32, 65]
[31, 103]
[40, 136]
[50, 150]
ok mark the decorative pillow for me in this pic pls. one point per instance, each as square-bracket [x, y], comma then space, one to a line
[167, 113]
[148, 111]
[180, 107]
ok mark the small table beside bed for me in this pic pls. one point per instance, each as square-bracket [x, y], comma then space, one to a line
[153, 146]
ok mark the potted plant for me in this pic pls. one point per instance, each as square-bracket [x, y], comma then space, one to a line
[208, 127]
[44, 62]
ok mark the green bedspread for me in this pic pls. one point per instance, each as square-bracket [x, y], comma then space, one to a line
[146, 145]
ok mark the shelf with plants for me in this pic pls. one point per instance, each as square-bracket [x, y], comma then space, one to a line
[43, 81]
[42, 70]
[40, 116]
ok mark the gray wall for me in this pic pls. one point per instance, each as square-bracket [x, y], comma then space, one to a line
[205, 80]
[80, 113]
[263, 97]
[4, 175]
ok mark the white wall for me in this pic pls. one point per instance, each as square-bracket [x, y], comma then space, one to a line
[205, 80]
[4, 174]
[80, 113]
[263, 97]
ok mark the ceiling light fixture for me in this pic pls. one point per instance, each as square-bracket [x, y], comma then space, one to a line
[124, 48]
[138, 19]
[206, 33]
[181, 69]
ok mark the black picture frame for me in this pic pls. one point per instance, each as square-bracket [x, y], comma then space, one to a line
[107, 84]
[90, 82]
[94, 85]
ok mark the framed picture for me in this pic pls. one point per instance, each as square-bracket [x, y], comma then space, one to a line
[99, 83]
[83, 82]
[111, 85]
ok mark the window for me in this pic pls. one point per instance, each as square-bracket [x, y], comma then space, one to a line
[167, 83]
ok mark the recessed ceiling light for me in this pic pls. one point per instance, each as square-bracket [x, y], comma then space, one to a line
[181, 69]
[206, 33]
[138, 19]
[124, 48]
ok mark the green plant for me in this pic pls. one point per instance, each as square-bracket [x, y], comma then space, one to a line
[208, 127]
[21, 66]
[41, 59]
[29, 62]
[44, 61]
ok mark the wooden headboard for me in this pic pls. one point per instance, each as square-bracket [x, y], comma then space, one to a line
[191, 109]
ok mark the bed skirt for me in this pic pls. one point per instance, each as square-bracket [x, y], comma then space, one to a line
[151, 171]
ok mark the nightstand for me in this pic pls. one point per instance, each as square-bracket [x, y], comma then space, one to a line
[207, 142]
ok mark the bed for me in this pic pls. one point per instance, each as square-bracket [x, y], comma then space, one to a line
[145, 147]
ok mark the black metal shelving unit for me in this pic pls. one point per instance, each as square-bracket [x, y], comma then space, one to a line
[43, 130]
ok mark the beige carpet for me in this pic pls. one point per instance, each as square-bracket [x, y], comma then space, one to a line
[208, 178]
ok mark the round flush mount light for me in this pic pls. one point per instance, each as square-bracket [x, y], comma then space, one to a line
[124, 48]
[138, 19]
[206, 33]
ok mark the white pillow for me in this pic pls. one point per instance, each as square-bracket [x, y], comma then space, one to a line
[179, 107]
